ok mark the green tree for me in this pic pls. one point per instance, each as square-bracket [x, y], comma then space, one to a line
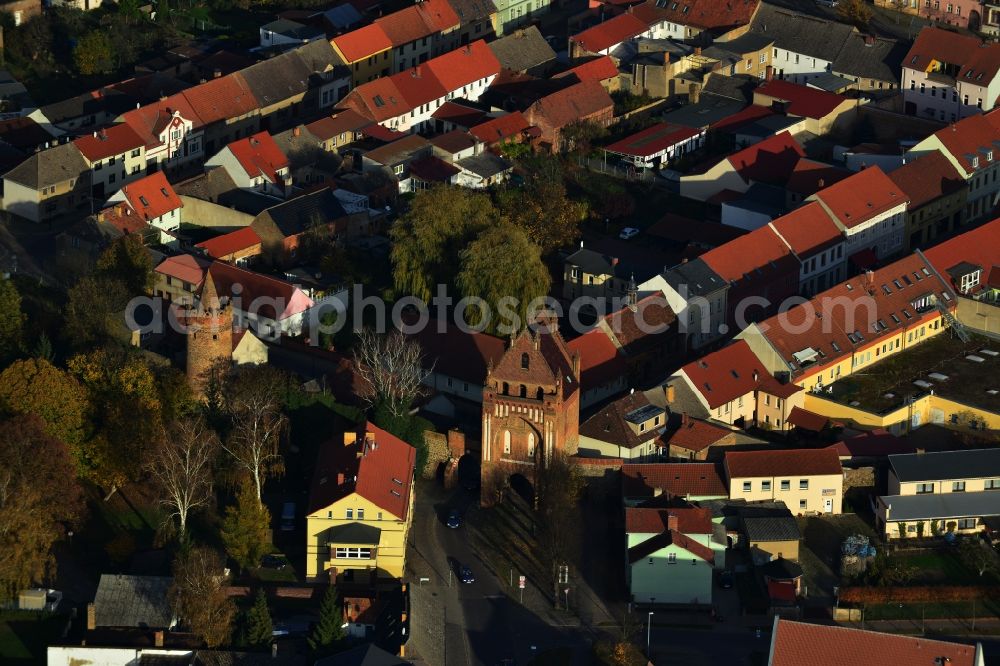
[328, 634]
[127, 261]
[578, 137]
[39, 500]
[94, 310]
[129, 9]
[429, 238]
[504, 269]
[35, 386]
[198, 595]
[977, 555]
[246, 529]
[543, 211]
[11, 319]
[856, 12]
[259, 628]
[43, 348]
[94, 54]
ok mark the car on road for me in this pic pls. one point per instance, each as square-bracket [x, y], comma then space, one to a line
[454, 519]
[628, 233]
[726, 580]
[465, 575]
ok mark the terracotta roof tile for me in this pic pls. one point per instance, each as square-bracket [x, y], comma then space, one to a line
[152, 196]
[980, 247]
[636, 331]
[769, 161]
[730, 373]
[927, 178]
[271, 291]
[610, 423]
[796, 462]
[455, 353]
[801, 100]
[595, 69]
[362, 43]
[809, 177]
[186, 267]
[221, 99]
[695, 435]
[758, 252]
[704, 14]
[573, 103]
[660, 541]
[461, 115]
[109, 142]
[803, 418]
[675, 479]
[861, 196]
[259, 155]
[807, 230]
[227, 244]
[797, 643]
[600, 360]
[347, 120]
[464, 65]
[500, 129]
[653, 139]
[974, 57]
[378, 467]
[655, 521]
[610, 33]
[970, 140]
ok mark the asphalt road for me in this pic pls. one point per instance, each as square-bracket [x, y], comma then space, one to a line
[482, 624]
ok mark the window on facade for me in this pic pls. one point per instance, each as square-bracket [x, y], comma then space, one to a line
[506, 441]
[361, 514]
[786, 484]
[765, 486]
[967, 524]
[350, 514]
[671, 558]
[925, 488]
[746, 486]
[803, 484]
[353, 553]
[803, 504]
[525, 361]
[958, 487]
[991, 484]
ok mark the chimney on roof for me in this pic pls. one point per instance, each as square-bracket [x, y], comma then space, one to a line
[536, 340]
[415, 72]
[694, 93]
[468, 49]
[821, 183]
[216, 73]
[95, 134]
[697, 50]
[297, 131]
[672, 522]
[614, 261]
[340, 478]
[657, 492]
[756, 376]
[350, 438]
[91, 617]
[671, 393]
[158, 638]
[666, 58]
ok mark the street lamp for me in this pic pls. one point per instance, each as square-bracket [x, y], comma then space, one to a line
[649, 626]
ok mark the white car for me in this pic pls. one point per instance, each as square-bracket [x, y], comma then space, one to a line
[628, 233]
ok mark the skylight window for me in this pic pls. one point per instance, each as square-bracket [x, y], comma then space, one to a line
[898, 284]
[164, 191]
[918, 276]
[907, 281]
[886, 289]
[849, 287]
[685, 10]
[894, 317]
[144, 201]
[882, 324]
[708, 387]
[379, 101]
[836, 347]
[907, 314]
[926, 272]
[735, 374]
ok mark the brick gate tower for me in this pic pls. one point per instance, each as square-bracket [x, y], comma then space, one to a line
[531, 408]
[209, 334]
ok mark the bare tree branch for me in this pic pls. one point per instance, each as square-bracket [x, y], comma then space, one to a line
[391, 369]
[182, 467]
[254, 402]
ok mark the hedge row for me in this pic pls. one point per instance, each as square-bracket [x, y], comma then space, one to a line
[925, 593]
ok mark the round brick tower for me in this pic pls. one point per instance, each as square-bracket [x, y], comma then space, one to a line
[209, 332]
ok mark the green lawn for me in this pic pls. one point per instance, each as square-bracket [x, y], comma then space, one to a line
[25, 635]
[932, 611]
[942, 566]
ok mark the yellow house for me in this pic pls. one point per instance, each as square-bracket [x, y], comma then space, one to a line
[360, 507]
[935, 493]
[367, 52]
[806, 480]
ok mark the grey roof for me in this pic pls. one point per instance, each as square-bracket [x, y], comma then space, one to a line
[364, 655]
[780, 569]
[696, 278]
[133, 601]
[472, 10]
[767, 126]
[342, 16]
[289, 74]
[942, 505]
[13, 93]
[761, 198]
[746, 43]
[871, 58]
[709, 110]
[485, 164]
[771, 528]
[212, 185]
[292, 29]
[302, 148]
[971, 464]
[296, 215]
[801, 33]
[523, 50]
[48, 167]
[739, 87]
[829, 82]
[353, 533]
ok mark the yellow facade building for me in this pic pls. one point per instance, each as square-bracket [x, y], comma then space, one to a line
[360, 507]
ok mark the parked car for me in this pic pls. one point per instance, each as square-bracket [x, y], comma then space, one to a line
[288, 517]
[273, 562]
[726, 580]
[628, 233]
[465, 575]
[454, 519]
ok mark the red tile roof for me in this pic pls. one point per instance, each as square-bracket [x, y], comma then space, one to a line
[660, 541]
[655, 521]
[152, 196]
[595, 69]
[696, 435]
[610, 33]
[347, 120]
[227, 244]
[676, 479]
[726, 374]
[433, 169]
[259, 155]
[981, 60]
[653, 139]
[808, 230]
[861, 196]
[798, 643]
[927, 178]
[500, 129]
[362, 43]
[600, 361]
[972, 138]
[809, 177]
[379, 99]
[418, 21]
[455, 353]
[796, 462]
[578, 101]
[980, 246]
[378, 467]
[610, 424]
[743, 117]
[769, 161]
[704, 14]
[124, 218]
[148, 121]
[886, 298]
[222, 98]
[270, 291]
[109, 142]
[876, 442]
[464, 65]
[761, 249]
[463, 116]
[185, 267]
[803, 418]
[801, 100]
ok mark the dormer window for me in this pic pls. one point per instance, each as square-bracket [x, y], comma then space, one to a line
[969, 281]
[989, 155]
[975, 162]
